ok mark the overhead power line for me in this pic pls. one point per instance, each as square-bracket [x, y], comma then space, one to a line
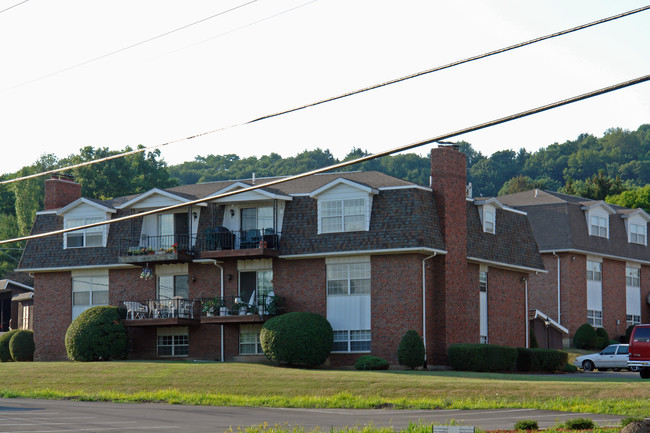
[103, 56]
[437, 139]
[11, 7]
[322, 101]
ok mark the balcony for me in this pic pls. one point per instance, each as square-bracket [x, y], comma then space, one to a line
[162, 312]
[193, 312]
[220, 243]
[157, 249]
[234, 310]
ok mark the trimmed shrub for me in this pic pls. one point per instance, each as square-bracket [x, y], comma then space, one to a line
[21, 345]
[5, 354]
[570, 368]
[628, 333]
[369, 362]
[541, 360]
[579, 424]
[298, 338]
[533, 340]
[482, 357]
[586, 337]
[526, 424]
[97, 334]
[410, 352]
[603, 338]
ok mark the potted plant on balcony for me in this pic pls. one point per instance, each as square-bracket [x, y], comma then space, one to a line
[239, 307]
[210, 306]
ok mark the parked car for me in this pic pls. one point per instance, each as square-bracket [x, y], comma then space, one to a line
[614, 356]
[640, 350]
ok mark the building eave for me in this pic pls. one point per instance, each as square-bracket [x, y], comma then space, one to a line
[504, 265]
[595, 253]
[415, 250]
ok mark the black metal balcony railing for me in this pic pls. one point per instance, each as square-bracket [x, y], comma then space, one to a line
[265, 305]
[163, 308]
[214, 239]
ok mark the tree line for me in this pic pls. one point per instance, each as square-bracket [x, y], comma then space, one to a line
[614, 168]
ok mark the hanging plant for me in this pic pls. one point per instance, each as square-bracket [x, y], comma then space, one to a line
[146, 273]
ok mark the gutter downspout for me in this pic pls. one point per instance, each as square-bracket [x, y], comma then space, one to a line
[526, 315]
[424, 306]
[559, 305]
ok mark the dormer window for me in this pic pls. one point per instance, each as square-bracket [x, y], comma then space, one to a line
[637, 233]
[347, 215]
[90, 237]
[489, 220]
[599, 226]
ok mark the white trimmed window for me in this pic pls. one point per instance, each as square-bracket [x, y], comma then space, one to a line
[88, 291]
[594, 271]
[347, 215]
[594, 292]
[595, 318]
[489, 220]
[173, 341]
[637, 233]
[90, 237]
[348, 303]
[598, 226]
[633, 294]
[249, 340]
[483, 287]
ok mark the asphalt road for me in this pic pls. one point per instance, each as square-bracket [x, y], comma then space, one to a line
[55, 416]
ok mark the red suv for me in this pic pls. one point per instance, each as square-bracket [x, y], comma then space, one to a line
[640, 350]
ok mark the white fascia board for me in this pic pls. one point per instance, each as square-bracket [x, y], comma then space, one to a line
[507, 266]
[553, 323]
[643, 214]
[82, 200]
[16, 283]
[76, 268]
[339, 181]
[156, 191]
[496, 203]
[390, 188]
[596, 253]
[234, 198]
[427, 251]
[601, 204]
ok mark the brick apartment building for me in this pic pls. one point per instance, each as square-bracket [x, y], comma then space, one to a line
[597, 258]
[375, 255]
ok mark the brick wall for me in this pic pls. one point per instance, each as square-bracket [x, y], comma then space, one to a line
[645, 291]
[506, 308]
[614, 298]
[542, 288]
[52, 314]
[573, 282]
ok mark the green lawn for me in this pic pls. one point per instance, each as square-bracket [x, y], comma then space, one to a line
[263, 385]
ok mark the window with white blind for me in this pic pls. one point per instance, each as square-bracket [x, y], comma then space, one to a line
[637, 233]
[598, 226]
[90, 237]
[347, 215]
[88, 291]
[348, 303]
[249, 340]
[173, 341]
[483, 301]
[594, 292]
[633, 295]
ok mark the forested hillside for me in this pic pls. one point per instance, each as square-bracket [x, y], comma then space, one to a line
[614, 167]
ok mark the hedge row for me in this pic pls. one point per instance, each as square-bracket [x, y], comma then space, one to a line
[491, 357]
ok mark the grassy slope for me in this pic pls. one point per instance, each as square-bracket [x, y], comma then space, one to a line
[262, 385]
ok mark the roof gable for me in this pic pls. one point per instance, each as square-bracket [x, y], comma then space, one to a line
[155, 198]
[85, 203]
[258, 194]
[340, 182]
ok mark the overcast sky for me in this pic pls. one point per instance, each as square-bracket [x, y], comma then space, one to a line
[269, 55]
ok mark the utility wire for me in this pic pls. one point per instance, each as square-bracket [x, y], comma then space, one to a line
[130, 46]
[437, 139]
[11, 7]
[365, 89]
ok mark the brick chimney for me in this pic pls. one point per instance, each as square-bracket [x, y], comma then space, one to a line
[455, 306]
[61, 190]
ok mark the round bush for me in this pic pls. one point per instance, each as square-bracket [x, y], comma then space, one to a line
[21, 346]
[603, 338]
[369, 362]
[410, 352]
[526, 424]
[586, 337]
[96, 335]
[5, 354]
[298, 338]
[579, 424]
